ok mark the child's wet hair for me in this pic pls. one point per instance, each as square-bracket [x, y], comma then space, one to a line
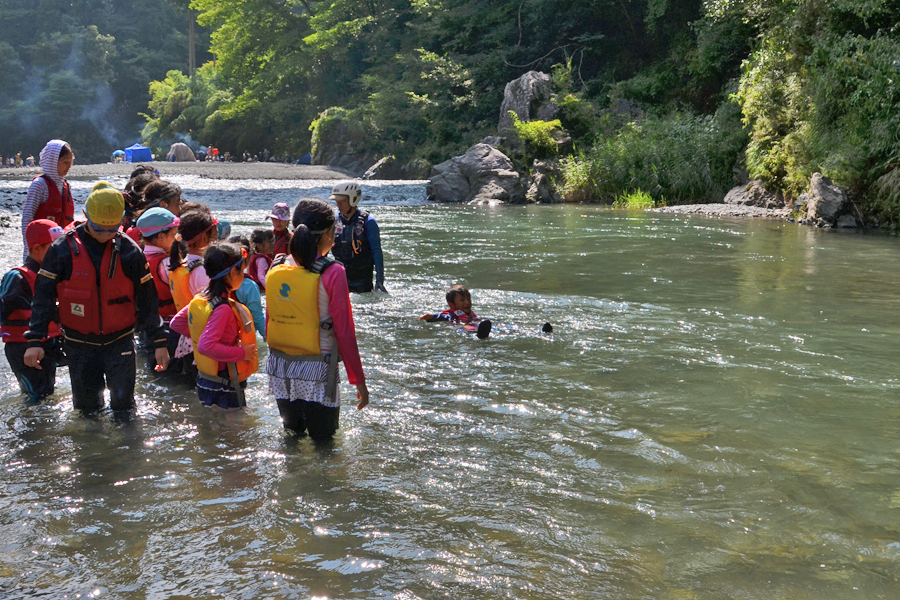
[241, 240]
[193, 223]
[312, 218]
[218, 257]
[457, 291]
[65, 151]
[261, 237]
[158, 191]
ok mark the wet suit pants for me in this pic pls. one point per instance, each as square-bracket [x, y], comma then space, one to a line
[88, 364]
[304, 416]
[36, 383]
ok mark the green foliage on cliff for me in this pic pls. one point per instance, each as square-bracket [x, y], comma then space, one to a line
[79, 70]
[673, 97]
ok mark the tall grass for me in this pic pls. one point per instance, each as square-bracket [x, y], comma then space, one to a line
[682, 158]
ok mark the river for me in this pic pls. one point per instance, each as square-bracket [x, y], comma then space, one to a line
[714, 416]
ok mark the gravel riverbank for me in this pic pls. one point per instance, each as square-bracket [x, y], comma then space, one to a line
[211, 170]
[726, 210]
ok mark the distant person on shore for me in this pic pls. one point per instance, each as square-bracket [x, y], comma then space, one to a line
[262, 242]
[49, 195]
[221, 330]
[248, 292]
[309, 321]
[104, 288]
[459, 311]
[16, 294]
[281, 218]
[357, 243]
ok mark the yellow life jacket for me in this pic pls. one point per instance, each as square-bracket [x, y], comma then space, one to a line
[180, 283]
[198, 316]
[292, 303]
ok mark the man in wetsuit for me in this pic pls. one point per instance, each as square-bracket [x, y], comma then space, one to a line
[357, 240]
[104, 287]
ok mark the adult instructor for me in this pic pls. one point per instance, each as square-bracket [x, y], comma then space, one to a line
[104, 287]
[357, 240]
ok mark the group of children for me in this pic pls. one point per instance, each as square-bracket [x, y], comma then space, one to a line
[144, 261]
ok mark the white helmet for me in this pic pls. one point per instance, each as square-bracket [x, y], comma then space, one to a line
[350, 189]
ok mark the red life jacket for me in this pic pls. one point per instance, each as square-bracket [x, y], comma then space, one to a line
[13, 328]
[166, 302]
[84, 308]
[282, 244]
[58, 207]
[253, 271]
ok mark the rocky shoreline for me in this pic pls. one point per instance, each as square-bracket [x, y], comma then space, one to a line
[726, 210]
[210, 170]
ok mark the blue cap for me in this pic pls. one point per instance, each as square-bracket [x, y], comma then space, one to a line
[155, 220]
[224, 228]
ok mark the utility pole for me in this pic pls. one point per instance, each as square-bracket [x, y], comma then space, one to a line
[192, 57]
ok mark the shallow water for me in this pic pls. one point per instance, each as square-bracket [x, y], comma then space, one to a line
[715, 416]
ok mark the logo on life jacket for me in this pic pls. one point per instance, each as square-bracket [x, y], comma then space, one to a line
[77, 309]
[285, 290]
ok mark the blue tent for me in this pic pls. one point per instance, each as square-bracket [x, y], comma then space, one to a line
[138, 153]
[304, 160]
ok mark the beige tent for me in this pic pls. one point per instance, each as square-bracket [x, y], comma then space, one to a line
[180, 152]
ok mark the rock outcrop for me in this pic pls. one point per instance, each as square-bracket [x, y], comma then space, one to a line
[827, 202]
[754, 193]
[530, 97]
[483, 175]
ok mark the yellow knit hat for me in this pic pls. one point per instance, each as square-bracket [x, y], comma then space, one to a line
[106, 205]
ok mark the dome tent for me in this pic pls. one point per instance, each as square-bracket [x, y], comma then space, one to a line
[180, 152]
[138, 153]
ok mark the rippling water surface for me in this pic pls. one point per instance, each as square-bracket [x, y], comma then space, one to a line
[715, 416]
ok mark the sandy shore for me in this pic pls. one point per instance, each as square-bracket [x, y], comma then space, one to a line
[209, 170]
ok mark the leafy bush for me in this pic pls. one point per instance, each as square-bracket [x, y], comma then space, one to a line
[682, 158]
[540, 137]
[637, 200]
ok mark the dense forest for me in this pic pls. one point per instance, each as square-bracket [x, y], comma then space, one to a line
[715, 90]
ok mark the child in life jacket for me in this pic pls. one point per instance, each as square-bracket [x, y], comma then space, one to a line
[49, 196]
[104, 288]
[221, 330]
[248, 294]
[309, 322]
[16, 293]
[158, 228]
[263, 243]
[281, 218]
[197, 229]
[459, 302]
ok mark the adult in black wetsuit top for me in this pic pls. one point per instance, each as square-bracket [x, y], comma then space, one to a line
[357, 240]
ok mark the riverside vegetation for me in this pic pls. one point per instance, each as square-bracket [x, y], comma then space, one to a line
[713, 91]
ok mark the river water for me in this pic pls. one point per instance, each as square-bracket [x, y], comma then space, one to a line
[714, 416]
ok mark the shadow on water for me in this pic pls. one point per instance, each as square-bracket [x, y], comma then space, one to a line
[712, 417]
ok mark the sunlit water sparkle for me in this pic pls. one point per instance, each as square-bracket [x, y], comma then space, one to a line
[715, 416]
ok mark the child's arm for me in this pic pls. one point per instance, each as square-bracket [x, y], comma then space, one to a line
[222, 324]
[431, 318]
[335, 282]
[248, 295]
[179, 322]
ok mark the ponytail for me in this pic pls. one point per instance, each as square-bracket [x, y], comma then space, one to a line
[312, 218]
[219, 257]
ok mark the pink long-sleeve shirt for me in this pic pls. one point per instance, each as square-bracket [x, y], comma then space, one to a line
[334, 301]
[219, 339]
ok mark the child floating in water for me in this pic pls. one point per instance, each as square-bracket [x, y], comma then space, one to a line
[460, 302]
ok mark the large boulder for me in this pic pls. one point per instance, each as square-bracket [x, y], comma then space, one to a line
[754, 193]
[483, 175]
[826, 202]
[530, 97]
